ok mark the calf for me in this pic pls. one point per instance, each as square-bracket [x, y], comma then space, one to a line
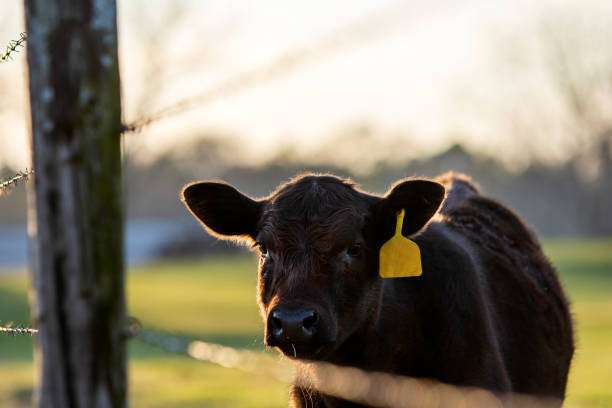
[488, 310]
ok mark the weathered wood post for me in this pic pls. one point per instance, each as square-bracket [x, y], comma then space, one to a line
[76, 228]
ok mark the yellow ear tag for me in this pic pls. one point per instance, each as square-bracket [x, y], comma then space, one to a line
[399, 256]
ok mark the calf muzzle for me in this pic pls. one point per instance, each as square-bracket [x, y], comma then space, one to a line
[287, 324]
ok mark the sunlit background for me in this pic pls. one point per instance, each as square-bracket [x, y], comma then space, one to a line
[517, 94]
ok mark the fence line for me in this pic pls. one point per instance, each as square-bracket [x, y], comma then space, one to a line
[376, 389]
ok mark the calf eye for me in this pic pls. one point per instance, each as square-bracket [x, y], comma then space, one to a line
[263, 252]
[354, 250]
[262, 249]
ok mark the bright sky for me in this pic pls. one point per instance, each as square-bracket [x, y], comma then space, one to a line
[426, 76]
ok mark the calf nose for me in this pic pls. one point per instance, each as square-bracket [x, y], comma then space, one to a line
[293, 325]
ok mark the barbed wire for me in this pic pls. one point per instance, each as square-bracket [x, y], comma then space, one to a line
[376, 389]
[11, 182]
[356, 33]
[17, 330]
[13, 46]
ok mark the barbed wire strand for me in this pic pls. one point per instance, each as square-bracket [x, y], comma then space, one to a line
[13, 47]
[356, 33]
[11, 182]
[376, 389]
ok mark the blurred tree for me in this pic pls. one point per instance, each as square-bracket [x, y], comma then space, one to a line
[578, 59]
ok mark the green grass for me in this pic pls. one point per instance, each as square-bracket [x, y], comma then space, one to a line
[585, 267]
[211, 299]
[214, 299]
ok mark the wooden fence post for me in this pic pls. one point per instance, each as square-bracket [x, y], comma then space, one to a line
[77, 227]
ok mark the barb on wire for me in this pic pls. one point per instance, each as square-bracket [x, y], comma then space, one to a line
[13, 46]
[356, 33]
[18, 330]
[6, 184]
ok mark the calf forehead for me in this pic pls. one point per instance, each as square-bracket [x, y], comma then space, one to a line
[319, 235]
[314, 210]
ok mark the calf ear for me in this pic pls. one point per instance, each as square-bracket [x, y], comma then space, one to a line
[222, 209]
[419, 198]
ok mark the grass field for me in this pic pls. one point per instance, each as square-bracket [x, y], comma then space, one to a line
[214, 299]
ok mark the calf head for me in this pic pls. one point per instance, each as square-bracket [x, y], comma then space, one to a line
[318, 238]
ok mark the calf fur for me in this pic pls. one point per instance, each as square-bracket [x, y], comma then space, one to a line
[488, 310]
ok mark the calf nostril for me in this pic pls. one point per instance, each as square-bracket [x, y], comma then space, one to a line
[277, 324]
[310, 320]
